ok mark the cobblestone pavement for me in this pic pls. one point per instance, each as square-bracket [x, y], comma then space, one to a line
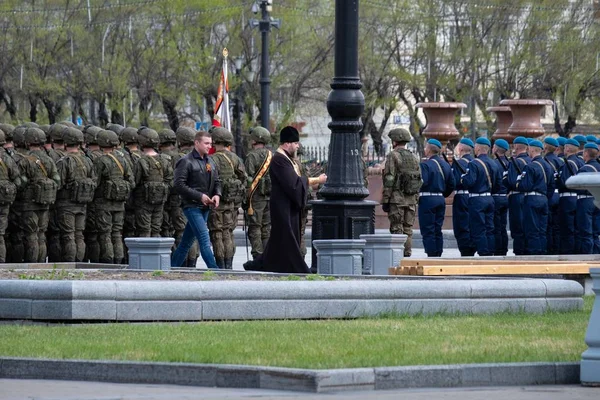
[13, 389]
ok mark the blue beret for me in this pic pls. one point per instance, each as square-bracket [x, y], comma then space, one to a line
[520, 140]
[572, 142]
[591, 138]
[467, 141]
[591, 146]
[484, 141]
[434, 142]
[551, 141]
[598, 141]
[529, 140]
[580, 138]
[561, 141]
[503, 144]
[536, 143]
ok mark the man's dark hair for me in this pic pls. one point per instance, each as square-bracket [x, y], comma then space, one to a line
[201, 134]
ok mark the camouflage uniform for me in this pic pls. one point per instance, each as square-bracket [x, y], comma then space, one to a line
[56, 152]
[185, 142]
[78, 184]
[153, 182]
[402, 207]
[129, 137]
[10, 180]
[30, 210]
[259, 214]
[115, 182]
[223, 220]
[92, 247]
[167, 138]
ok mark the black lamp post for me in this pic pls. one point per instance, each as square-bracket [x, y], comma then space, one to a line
[343, 214]
[264, 25]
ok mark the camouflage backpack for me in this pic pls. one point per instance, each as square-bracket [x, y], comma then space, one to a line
[8, 190]
[233, 189]
[82, 187]
[155, 190]
[408, 179]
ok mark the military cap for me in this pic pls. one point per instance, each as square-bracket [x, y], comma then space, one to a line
[30, 125]
[503, 144]
[35, 136]
[483, 141]
[536, 143]
[56, 132]
[399, 135]
[521, 140]
[45, 128]
[561, 141]
[72, 136]
[129, 135]
[108, 138]
[2, 137]
[185, 136]
[580, 139]
[289, 134]
[116, 128]
[435, 142]
[591, 138]
[468, 142]
[221, 135]
[148, 137]
[551, 141]
[8, 130]
[90, 134]
[19, 136]
[167, 136]
[572, 142]
[260, 135]
[529, 140]
[591, 146]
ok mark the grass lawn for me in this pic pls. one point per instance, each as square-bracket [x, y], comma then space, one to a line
[391, 341]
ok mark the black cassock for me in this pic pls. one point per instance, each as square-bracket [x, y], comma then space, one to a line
[288, 198]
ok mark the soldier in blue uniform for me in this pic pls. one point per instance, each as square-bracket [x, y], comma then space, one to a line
[460, 204]
[515, 197]
[537, 183]
[553, 234]
[482, 178]
[560, 150]
[500, 150]
[567, 202]
[587, 215]
[582, 141]
[590, 139]
[438, 182]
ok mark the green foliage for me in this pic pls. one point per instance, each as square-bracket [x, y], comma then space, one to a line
[157, 273]
[53, 274]
[209, 275]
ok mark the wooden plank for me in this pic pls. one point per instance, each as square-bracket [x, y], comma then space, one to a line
[501, 269]
[475, 261]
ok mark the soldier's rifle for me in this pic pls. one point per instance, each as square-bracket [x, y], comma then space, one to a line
[516, 164]
[460, 167]
[504, 166]
[566, 160]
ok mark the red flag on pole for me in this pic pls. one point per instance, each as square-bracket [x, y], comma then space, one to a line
[221, 117]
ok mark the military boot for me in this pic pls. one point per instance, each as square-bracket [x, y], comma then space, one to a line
[191, 262]
[229, 263]
[220, 263]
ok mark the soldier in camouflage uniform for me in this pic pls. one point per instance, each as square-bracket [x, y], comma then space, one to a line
[10, 181]
[401, 184]
[259, 190]
[116, 128]
[153, 181]
[15, 230]
[167, 148]
[92, 151]
[222, 220]
[129, 139]
[55, 152]
[41, 181]
[8, 137]
[115, 181]
[185, 143]
[78, 184]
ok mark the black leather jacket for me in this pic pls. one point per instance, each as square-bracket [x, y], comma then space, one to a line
[192, 180]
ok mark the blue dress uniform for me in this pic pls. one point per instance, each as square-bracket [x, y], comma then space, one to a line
[482, 179]
[581, 140]
[501, 203]
[567, 202]
[515, 199]
[587, 215]
[536, 182]
[438, 182]
[553, 234]
[460, 205]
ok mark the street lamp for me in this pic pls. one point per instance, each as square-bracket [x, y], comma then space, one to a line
[239, 95]
[264, 25]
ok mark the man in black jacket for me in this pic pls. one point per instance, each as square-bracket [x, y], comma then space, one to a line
[197, 182]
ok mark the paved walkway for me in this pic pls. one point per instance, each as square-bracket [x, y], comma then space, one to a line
[12, 389]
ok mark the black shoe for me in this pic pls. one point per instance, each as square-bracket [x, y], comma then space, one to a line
[191, 262]
[220, 263]
[229, 263]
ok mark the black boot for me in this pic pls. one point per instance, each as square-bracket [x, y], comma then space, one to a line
[191, 262]
[220, 263]
[229, 263]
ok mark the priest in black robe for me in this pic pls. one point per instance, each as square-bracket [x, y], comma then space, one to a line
[288, 198]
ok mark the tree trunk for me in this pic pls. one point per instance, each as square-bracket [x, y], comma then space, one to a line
[52, 108]
[102, 113]
[33, 109]
[10, 105]
[144, 110]
[116, 117]
[171, 111]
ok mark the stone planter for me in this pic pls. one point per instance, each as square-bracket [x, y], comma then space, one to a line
[589, 181]
[526, 115]
[339, 256]
[504, 120]
[440, 120]
[382, 251]
[590, 359]
[149, 253]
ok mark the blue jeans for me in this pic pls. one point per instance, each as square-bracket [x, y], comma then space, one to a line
[195, 228]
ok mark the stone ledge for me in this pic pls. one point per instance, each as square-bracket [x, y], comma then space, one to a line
[242, 376]
[197, 301]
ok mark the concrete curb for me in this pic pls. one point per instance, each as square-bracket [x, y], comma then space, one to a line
[246, 300]
[256, 377]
